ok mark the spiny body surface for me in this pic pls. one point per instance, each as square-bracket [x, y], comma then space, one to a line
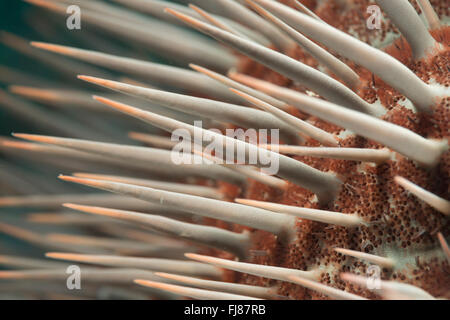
[395, 226]
[403, 227]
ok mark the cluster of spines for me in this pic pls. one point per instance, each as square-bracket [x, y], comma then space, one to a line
[317, 188]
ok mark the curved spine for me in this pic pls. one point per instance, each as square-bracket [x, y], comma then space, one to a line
[333, 64]
[325, 185]
[293, 69]
[205, 235]
[279, 224]
[383, 65]
[427, 152]
[406, 19]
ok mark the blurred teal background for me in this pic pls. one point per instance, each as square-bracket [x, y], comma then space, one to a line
[12, 14]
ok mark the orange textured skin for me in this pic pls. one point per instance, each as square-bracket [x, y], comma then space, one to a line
[399, 221]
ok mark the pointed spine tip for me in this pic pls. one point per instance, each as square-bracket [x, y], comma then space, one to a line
[58, 255]
[33, 137]
[77, 207]
[117, 105]
[438, 203]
